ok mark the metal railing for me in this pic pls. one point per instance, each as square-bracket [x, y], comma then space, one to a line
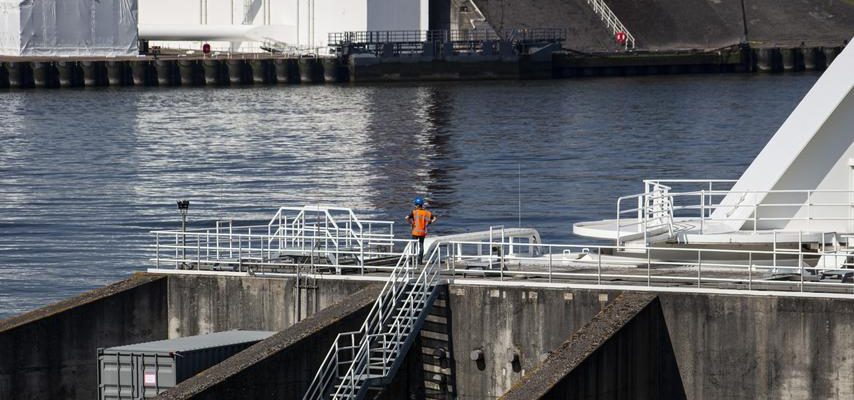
[332, 236]
[468, 35]
[674, 268]
[377, 348]
[659, 207]
[611, 21]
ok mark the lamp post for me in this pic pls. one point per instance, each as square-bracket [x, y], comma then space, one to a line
[183, 208]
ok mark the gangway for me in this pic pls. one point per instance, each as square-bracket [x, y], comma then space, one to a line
[369, 358]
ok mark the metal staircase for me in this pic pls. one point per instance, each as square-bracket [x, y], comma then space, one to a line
[369, 358]
[611, 21]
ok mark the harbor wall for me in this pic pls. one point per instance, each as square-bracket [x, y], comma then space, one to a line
[283, 365]
[50, 353]
[205, 304]
[725, 346]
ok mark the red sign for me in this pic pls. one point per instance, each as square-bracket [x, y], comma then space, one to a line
[621, 37]
[206, 48]
[149, 378]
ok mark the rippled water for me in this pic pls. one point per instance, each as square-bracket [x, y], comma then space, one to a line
[85, 174]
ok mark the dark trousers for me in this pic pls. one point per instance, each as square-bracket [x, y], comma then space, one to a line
[420, 240]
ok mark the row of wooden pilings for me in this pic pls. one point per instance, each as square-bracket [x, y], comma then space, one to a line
[170, 72]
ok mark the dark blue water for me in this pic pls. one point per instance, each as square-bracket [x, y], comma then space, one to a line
[85, 174]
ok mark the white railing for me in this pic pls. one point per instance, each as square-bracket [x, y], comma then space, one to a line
[611, 21]
[673, 268]
[330, 234]
[660, 206]
[376, 349]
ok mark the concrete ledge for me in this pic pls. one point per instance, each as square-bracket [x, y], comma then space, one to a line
[137, 279]
[585, 342]
[50, 353]
[282, 366]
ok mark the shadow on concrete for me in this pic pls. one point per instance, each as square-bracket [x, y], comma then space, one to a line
[625, 352]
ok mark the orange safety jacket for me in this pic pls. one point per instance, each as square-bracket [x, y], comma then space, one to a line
[420, 219]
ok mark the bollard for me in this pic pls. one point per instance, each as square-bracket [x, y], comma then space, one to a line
[115, 73]
[211, 69]
[67, 73]
[187, 72]
[41, 74]
[235, 71]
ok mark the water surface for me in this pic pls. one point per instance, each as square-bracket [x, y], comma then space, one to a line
[85, 174]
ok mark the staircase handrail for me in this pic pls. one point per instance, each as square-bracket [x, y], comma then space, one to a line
[360, 367]
[400, 273]
[611, 21]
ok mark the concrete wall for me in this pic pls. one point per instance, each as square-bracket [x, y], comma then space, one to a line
[737, 347]
[50, 353]
[531, 322]
[283, 365]
[585, 31]
[205, 304]
[714, 23]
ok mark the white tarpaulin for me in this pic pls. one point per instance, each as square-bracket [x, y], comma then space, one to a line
[68, 27]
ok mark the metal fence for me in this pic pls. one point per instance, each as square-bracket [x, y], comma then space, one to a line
[414, 36]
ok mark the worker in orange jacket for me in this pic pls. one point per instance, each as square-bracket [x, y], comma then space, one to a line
[419, 219]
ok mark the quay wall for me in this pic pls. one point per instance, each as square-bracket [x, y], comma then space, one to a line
[724, 346]
[205, 304]
[50, 353]
[44, 73]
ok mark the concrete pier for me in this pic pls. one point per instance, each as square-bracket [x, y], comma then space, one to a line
[165, 71]
[211, 72]
[67, 71]
[494, 62]
[116, 73]
[311, 70]
[92, 73]
[42, 74]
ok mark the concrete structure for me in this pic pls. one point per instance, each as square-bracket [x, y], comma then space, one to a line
[724, 346]
[683, 24]
[68, 28]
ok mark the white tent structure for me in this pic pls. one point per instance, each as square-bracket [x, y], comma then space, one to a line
[68, 28]
[799, 189]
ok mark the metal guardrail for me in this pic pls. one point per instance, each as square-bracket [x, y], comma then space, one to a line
[414, 36]
[663, 267]
[611, 21]
[658, 207]
[375, 351]
[332, 236]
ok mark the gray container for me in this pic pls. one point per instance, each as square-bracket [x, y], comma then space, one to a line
[142, 371]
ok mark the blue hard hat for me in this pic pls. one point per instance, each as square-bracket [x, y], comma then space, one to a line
[419, 201]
